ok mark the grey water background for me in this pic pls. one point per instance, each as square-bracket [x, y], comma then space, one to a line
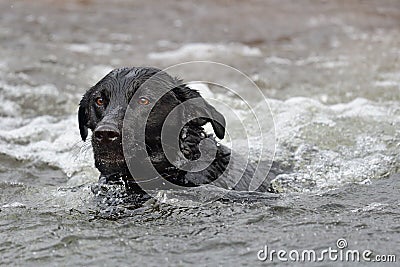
[330, 70]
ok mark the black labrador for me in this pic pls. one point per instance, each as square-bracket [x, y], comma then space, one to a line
[149, 95]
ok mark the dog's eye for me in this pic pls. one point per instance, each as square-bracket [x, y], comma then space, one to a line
[143, 101]
[99, 101]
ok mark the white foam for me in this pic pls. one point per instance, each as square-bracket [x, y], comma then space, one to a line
[45, 139]
[387, 83]
[97, 48]
[278, 60]
[14, 205]
[331, 145]
[202, 88]
[205, 51]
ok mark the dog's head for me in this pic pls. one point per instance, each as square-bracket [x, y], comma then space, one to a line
[150, 94]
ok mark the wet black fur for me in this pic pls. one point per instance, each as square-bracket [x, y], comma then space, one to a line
[117, 88]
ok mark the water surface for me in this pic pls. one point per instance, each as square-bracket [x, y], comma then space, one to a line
[330, 71]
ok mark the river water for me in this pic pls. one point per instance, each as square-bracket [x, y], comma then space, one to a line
[330, 71]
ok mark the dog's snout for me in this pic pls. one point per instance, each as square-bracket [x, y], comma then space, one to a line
[106, 133]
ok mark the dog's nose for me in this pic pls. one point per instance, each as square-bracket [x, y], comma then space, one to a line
[106, 133]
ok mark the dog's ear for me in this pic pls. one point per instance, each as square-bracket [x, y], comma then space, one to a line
[201, 110]
[204, 111]
[83, 118]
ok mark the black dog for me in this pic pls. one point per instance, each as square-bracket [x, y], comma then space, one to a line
[149, 95]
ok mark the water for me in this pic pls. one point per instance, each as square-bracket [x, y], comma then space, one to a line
[331, 75]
